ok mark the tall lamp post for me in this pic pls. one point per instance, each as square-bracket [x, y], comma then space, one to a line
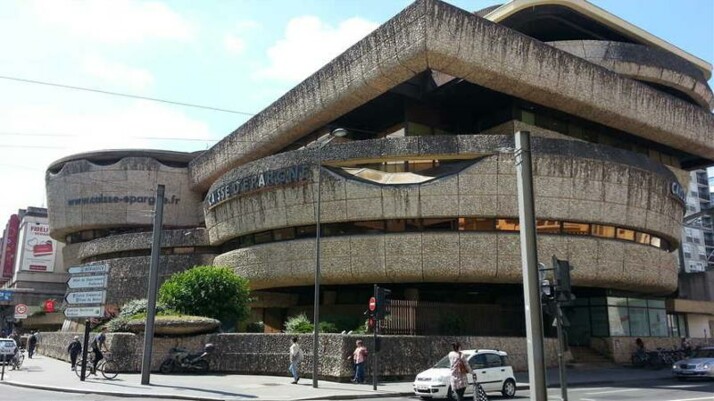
[336, 133]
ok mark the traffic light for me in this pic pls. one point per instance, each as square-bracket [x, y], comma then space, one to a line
[384, 299]
[562, 275]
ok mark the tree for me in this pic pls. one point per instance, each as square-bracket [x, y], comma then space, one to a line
[209, 291]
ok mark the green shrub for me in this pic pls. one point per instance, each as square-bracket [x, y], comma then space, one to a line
[118, 324]
[298, 324]
[140, 306]
[209, 291]
[255, 327]
[328, 327]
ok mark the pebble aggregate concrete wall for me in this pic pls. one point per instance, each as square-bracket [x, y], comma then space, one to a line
[573, 181]
[402, 357]
[84, 195]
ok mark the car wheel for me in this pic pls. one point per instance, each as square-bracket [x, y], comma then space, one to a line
[509, 388]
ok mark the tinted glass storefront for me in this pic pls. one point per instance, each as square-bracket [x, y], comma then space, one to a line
[622, 316]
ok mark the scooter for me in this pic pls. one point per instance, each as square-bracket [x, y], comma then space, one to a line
[181, 360]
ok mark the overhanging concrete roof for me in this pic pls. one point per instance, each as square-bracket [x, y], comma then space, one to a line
[598, 14]
[430, 34]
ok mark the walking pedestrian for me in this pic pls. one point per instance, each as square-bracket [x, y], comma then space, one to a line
[460, 370]
[31, 344]
[74, 349]
[296, 356]
[359, 357]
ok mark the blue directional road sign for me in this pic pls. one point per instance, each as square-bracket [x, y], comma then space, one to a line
[5, 296]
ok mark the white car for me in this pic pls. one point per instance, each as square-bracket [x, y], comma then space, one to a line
[700, 364]
[7, 349]
[491, 369]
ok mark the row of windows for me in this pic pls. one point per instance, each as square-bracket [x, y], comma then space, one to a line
[554, 227]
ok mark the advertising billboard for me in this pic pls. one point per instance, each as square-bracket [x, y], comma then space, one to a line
[9, 247]
[37, 249]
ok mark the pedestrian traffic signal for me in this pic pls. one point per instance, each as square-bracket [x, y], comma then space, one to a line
[384, 299]
[562, 275]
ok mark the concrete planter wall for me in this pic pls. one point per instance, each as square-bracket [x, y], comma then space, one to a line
[402, 357]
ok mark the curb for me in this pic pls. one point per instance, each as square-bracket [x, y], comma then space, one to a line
[357, 396]
[110, 393]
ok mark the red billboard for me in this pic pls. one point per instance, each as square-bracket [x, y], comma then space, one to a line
[9, 247]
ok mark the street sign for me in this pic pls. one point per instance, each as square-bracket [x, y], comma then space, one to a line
[98, 268]
[87, 281]
[372, 303]
[86, 297]
[20, 311]
[84, 311]
[5, 296]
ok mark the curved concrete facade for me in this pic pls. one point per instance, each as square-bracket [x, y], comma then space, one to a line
[632, 192]
[643, 63]
[84, 195]
[450, 258]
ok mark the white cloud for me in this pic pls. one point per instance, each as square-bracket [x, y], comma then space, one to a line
[234, 44]
[115, 21]
[117, 74]
[234, 41]
[309, 43]
[136, 124]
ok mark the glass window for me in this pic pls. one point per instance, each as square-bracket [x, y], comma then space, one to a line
[493, 360]
[528, 117]
[656, 241]
[637, 302]
[617, 301]
[440, 224]
[656, 303]
[246, 240]
[507, 225]
[284, 234]
[658, 322]
[576, 228]
[642, 238]
[682, 323]
[369, 227]
[548, 226]
[478, 361]
[261, 238]
[639, 322]
[599, 321]
[619, 321]
[476, 224]
[599, 230]
[625, 234]
[305, 231]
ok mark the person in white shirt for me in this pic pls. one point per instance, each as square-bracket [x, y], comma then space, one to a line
[295, 359]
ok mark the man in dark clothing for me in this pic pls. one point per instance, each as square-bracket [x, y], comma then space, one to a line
[98, 345]
[31, 344]
[74, 349]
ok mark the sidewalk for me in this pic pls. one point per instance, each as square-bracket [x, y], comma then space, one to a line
[50, 374]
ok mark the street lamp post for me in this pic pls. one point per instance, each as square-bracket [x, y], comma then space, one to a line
[336, 133]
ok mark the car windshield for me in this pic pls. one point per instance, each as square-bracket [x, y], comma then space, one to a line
[444, 362]
[703, 353]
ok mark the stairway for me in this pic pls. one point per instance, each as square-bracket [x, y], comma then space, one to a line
[586, 357]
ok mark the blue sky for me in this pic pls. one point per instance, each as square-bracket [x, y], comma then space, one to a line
[236, 55]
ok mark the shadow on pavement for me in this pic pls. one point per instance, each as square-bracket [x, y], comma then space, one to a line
[205, 390]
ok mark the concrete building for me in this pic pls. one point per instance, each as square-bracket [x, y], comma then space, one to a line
[34, 271]
[421, 194]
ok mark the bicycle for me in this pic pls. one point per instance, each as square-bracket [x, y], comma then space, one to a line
[18, 359]
[106, 366]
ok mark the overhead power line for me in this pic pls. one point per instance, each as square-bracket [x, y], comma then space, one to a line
[128, 95]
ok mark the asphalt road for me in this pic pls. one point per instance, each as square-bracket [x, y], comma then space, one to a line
[14, 393]
[662, 390]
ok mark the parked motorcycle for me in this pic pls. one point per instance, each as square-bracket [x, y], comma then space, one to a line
[181, 360]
